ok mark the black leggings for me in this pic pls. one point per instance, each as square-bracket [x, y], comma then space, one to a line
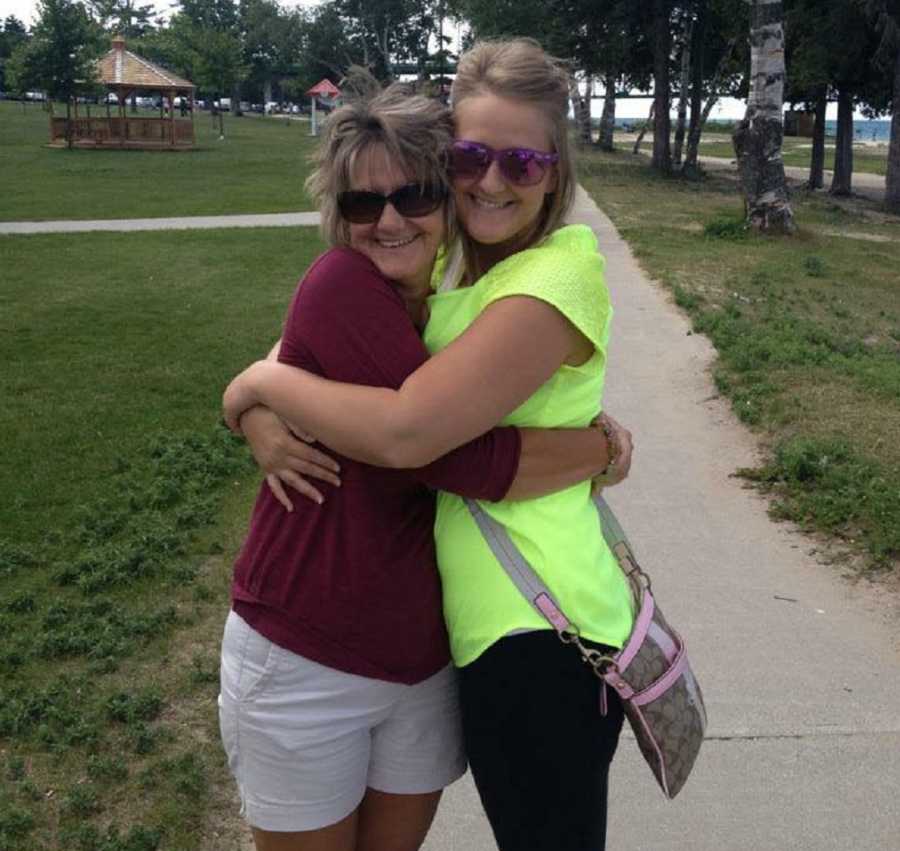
[538, 746]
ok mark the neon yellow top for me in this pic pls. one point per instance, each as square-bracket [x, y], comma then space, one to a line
[559, 534]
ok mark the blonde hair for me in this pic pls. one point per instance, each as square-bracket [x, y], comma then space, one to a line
[519, 69]
[414, 130]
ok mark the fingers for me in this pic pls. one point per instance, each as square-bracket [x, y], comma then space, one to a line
[302, 452]
[299, 465]
[275, 486]
[232, 422]
[301, 485]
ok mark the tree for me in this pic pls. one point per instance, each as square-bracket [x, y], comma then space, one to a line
[123, 17]
[60, 57]
[660, 34]
[886, 15]
[327, 50]
[758, 137]
[209, 38]
[809, 49]
[268, 40]
[12, 34]
[716, 44]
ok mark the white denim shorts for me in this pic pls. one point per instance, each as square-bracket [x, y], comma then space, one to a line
[304, 741]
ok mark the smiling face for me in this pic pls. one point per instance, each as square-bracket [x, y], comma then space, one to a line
[494, 211]
[402, 248]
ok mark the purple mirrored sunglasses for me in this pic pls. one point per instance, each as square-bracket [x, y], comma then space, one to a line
[520, 166]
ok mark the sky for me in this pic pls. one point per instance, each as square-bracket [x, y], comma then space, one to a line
[727, 109]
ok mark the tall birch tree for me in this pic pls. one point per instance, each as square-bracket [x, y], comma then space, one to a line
[886, 14]
[758, 137]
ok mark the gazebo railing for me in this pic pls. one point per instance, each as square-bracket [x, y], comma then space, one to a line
[118, 131]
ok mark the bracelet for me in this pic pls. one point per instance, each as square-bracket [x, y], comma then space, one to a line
[613, 453]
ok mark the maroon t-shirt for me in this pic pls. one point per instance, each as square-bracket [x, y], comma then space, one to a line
[353, 584]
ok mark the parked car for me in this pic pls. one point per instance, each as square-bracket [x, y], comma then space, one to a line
[223, 104]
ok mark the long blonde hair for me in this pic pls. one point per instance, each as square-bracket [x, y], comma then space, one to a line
[519, 69]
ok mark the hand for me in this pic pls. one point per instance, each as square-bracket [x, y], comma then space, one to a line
[621, 448]
[237, 398]
[283, 456]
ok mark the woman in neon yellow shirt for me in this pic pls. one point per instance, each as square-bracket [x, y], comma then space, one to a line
[518, 330]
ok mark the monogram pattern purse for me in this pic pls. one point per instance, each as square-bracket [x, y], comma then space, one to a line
[651, 673]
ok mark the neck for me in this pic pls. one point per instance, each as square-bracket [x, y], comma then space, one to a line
[488, 256]
[414, 293]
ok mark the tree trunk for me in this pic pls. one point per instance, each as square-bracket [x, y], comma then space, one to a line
[690, 168]
[817, 160]
[640, 136]
[581, 109]
[892, 180]
[684, 94]
[69, 123]
[842, 181]
[267, 92]
[758, 137]
[662, 47]
[695, 126]
[608, 119]
[236, 100]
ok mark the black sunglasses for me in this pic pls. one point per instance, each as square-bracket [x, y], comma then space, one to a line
[411, 201]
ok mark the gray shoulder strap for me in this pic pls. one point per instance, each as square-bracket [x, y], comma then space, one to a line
[523, 576]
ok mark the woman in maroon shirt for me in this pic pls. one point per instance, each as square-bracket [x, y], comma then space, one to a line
[338, 705]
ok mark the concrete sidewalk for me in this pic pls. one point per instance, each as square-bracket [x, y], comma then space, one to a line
[800, 668]
[265, 220]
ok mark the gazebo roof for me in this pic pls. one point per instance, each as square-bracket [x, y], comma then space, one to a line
[121, 67]
[324, 87]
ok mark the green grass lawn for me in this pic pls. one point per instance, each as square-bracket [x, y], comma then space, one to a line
[259, 168]
[807, 329]
[124, 503]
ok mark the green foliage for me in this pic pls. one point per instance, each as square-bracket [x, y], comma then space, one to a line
[814, 266]
[131, 708]
[57, 715]
[81, 801]
[15, 824]
[87, 837]
[13, 558]
[60, 55]
[726, 227]
[106, 768]
[827, 484]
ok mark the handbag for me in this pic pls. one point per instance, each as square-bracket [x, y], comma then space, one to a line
[651, 673]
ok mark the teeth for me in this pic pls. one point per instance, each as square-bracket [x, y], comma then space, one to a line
[490, 205]
[396, 243]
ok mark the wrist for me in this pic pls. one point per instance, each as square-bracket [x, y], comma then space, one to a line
[612, 447]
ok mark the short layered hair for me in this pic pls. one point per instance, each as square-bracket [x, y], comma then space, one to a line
[414, 130]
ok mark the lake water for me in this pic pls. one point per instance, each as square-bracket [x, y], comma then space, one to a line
[864, 130]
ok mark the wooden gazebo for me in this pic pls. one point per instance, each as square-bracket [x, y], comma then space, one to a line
[126, 74]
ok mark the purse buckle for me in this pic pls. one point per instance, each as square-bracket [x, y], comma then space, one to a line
[599, 661]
